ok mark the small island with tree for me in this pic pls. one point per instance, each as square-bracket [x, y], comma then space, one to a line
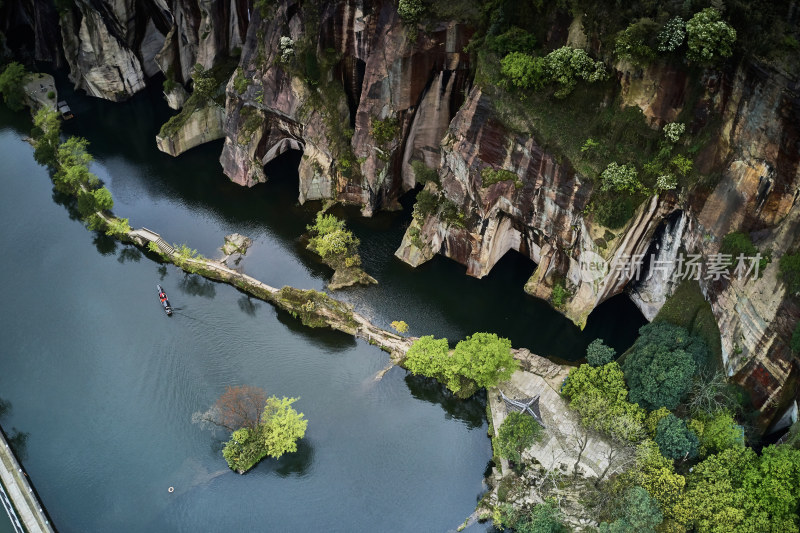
[260, 426]
[336, 245]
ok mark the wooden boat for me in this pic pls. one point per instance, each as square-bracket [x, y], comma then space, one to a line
[162, 296]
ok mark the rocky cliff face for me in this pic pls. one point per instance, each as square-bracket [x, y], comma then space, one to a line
[112, 47]
[540, 213]
[203, 125]
[376, 75]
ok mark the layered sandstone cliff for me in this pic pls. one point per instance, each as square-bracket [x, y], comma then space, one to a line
[351, 66]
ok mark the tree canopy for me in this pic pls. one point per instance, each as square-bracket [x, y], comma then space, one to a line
[480, 360]
[517, 432]
[736, 490]
[598, 354]
[674, 439]
[661, 364]
[638, 513]
[46, 130]
[12, 83]
[271, 427]
[599, 395]
[709, 37]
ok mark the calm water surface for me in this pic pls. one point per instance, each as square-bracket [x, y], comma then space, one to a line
[106, 385]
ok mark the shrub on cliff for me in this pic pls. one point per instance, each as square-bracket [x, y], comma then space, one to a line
[634, 43]
[790, 272]
[709, 37]
[410, 11]
[620, 178]
[672, 35]
[12, 83]
[513, 40]
[564, 67]
[524, 71]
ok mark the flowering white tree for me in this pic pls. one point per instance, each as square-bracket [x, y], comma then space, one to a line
[709, 37]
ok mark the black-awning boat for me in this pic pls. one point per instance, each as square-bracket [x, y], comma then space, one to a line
[162, 296]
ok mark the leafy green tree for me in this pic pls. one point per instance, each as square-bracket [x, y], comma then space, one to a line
[515, 39]
[711, 502]
[790, 272]
[672, 35]
[484, 358]
[639, 513]
[74, 151]
[566, 65]
[517, 432]
[674, 439]
[634, 42]
[598, 354]
[543, 518]
[524, 71]
[12, 85]
[720, 433]
[709, 37]
[735, 490]
[118, 226]
[795, 344]
[656, 474]
[284, 426]
[620, 178]
[771, 492]
[661, 364]
[681, 164]
[331, 239]
[274, 433]
[481, 360]
[599, 395]
[430, 357]
[653, 418]
[46, 130]
[410, 11]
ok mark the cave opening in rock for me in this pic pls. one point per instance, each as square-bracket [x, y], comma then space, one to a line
[616, 321]
[282, 171]
[513, 262]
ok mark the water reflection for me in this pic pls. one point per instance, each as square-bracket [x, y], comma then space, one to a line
[105, 245]
[17, 440]
[248, 306]
[325, 338]
[294, 464]
[472, 412]
[131, 253]
[196, 285]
